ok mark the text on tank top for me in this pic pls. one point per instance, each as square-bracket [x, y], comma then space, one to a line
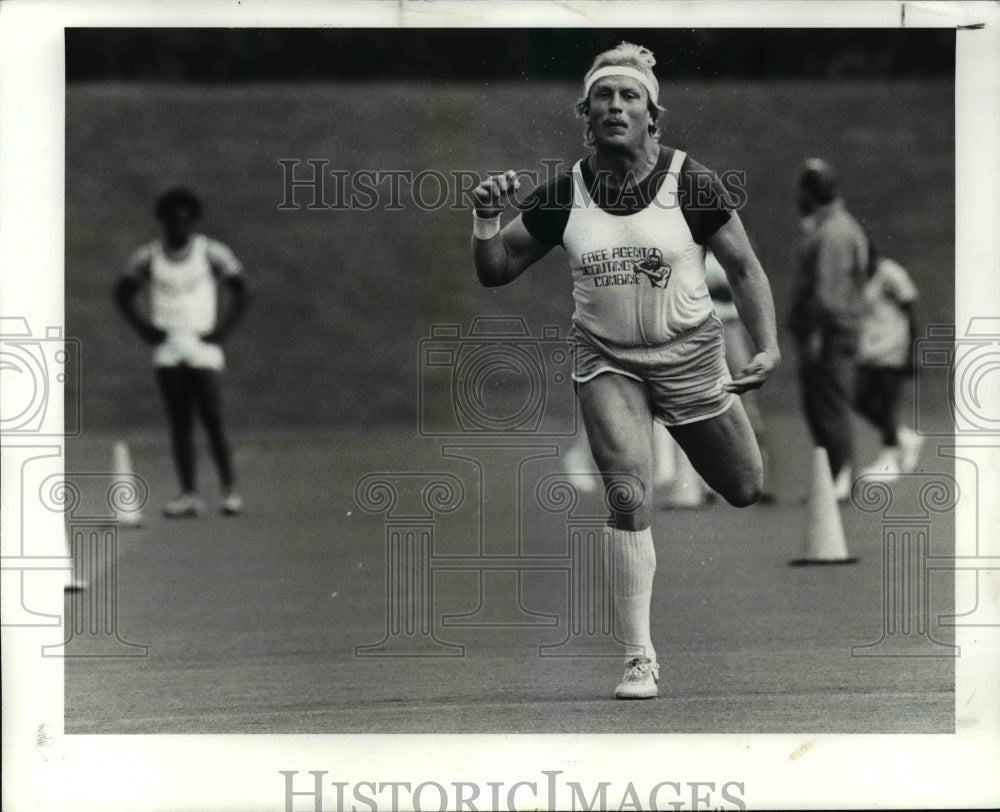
[639, 278]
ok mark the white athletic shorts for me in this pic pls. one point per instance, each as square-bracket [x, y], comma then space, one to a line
[684, 375]
[185, 348]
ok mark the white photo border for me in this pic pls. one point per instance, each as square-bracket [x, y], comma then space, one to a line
[47, 770]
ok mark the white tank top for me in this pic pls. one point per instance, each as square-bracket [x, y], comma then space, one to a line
[182, 293]
[637, 278]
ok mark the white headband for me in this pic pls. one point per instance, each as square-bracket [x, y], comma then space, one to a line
[622, 70]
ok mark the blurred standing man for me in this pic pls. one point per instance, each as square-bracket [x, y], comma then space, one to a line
[826, 310]
[634, 218]
[182, 271]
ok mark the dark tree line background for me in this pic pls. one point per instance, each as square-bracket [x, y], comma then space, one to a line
[225, 55]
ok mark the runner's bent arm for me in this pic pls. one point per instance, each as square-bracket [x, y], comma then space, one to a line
[505, 257]
[754, 302]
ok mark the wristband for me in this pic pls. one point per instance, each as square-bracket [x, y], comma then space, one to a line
[485, 228]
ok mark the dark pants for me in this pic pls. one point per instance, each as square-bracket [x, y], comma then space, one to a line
[876, 397]
[186, 390]
[827, 384]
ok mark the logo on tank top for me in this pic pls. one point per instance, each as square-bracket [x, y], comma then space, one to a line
[654, 268]
[625, 265]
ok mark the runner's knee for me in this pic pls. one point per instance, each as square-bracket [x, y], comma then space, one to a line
[745, 496]
[627, 497]
[746, 490]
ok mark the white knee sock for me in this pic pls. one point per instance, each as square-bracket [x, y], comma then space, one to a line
[635, 563]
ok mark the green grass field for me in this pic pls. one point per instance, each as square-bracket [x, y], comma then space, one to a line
[343, 297]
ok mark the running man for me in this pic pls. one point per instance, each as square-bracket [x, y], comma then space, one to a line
[885, 346]
[182, 272]
[634, 218]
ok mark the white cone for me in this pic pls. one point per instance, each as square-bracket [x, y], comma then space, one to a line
[665, 451]
[123, 468]
[825, 542]
[579, 464]
[74, 581]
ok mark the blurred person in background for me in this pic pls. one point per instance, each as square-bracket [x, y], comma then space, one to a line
[827, 302]
[182, 272]
[885, 361]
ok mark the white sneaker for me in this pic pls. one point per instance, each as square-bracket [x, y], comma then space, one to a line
[187, 504]
[843, 483]
[910, 444]
[231, 504]
[641, 678]
[886, 467]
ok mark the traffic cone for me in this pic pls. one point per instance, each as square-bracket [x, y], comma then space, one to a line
[825, 543]
[75, 582]
[579, 464]
[123, 468]
[665, 451]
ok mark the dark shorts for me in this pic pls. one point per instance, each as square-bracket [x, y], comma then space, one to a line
[684, 375]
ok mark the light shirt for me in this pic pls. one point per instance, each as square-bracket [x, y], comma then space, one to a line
[183, 297]
[884, 337]
[637, 279]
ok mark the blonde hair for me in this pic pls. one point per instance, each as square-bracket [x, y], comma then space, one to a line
[625, 54]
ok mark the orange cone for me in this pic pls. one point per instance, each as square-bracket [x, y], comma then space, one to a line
[825, 543]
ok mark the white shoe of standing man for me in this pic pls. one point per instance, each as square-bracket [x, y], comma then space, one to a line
[183, 506]
[231, 504]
